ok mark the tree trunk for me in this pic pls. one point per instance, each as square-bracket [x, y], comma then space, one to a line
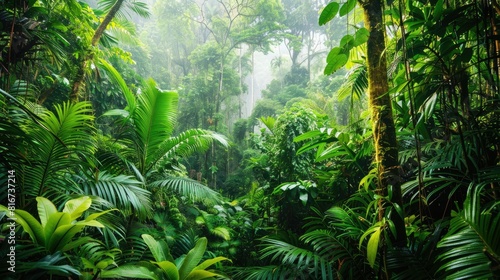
[78, 84]
[384, 132]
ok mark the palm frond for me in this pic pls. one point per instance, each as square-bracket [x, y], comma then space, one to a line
[137, 7]
[189, 188]
[270, 272]
[472, 243]
[356, 83]
[120, 82]
[291, 255]
[191, 141]
[124, 192]
[65, 141]
[153, 121]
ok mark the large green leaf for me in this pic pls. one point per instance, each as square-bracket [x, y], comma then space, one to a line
[153, 120]
[56, 220]
[472, 240]
[160, 251]
[76, 207]
[130, 271]
[29, 224]
[207, 263]
[192, 258]
[201, 274]
[328, 13]
[62, 236]
[169, 269]
[45, 209]
[65, 141]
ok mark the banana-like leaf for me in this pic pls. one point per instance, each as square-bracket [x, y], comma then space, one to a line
[192, 258]
[45, 209]
[56, 220]
[201, 274]
[169, 269]
[76, 207]
[159, 249]
[210, 262]
[130, 271]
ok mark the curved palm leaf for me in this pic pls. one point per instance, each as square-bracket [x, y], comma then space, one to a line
[191, 141]
[139, 8]
[64, 142]
[356, 84]
[124, 192]
[270, 272]
[192, 189]
[153, 122]
[472, 242]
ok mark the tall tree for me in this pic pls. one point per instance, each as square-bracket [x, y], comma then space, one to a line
[384, 132]
[113, 8]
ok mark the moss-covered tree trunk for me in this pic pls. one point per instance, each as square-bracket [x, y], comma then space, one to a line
[384, 132]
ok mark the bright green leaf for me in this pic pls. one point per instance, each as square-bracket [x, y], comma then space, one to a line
[328, 13]
[361, 36]
[347, 7]
[338, 62]
[45, 209]
[76, 207]
[372, 247]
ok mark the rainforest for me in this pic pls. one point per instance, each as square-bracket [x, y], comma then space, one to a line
[249, 139]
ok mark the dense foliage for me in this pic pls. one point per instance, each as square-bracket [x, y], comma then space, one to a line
[127, 149]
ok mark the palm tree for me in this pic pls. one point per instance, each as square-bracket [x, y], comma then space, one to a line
[147, 139]
[112, 8]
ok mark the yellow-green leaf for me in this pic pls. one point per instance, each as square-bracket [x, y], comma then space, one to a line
[76, 207]
[45, 209]
[372, 248]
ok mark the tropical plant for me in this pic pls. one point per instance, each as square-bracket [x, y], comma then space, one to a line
[147, 141]
[470, 248]
[55, 230]
[165, 267]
